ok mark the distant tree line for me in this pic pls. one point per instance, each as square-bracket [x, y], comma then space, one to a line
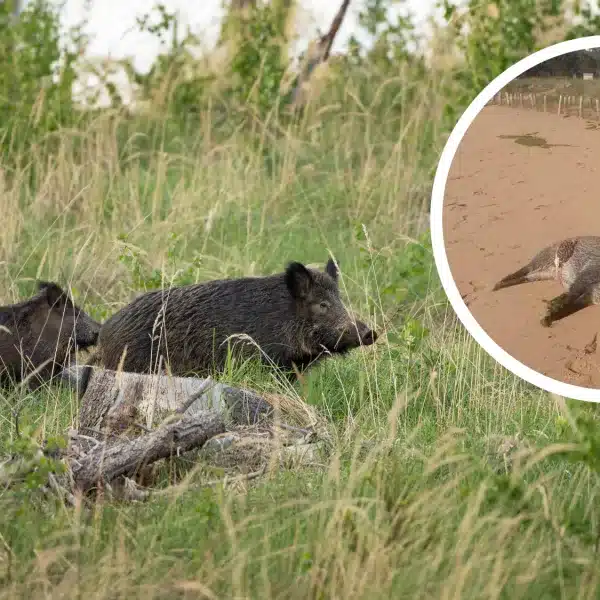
[573, 64]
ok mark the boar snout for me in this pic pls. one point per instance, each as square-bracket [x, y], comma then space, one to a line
[357, 334]
[86, 332]
[367, 336]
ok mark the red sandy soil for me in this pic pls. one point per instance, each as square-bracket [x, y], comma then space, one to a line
[504, 202]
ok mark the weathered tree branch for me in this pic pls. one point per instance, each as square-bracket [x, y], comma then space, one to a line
[317, 53]
[326, 41]
[109, 461]
[129, 421]
[115, 401]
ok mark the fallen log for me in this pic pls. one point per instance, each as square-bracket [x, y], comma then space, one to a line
[129, 421]
[111, 397]
[104, 461]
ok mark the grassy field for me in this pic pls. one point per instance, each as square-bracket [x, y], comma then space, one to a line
[448, 478]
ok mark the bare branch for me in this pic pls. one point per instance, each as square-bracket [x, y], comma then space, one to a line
[126, 457]
[319, 52]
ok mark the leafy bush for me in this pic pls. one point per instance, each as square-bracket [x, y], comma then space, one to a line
[37, 73]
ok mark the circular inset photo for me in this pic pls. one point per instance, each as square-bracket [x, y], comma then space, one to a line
[515, 219]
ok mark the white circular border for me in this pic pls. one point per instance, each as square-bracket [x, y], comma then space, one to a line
[437, 234]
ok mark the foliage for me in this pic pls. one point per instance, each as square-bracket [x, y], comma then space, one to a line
[175, 83]
[394, 42]
[37, 72]
[586, 22]
[29, 466]
[146, 279]
[490, 38]
[258, 61]
[583, 431]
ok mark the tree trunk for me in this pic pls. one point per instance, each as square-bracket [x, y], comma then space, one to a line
[317, 53]
[118, 399]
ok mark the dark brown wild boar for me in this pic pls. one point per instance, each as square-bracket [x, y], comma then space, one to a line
[295, 317]
[42, 333]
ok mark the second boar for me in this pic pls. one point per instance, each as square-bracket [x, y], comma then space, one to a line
[41, 334]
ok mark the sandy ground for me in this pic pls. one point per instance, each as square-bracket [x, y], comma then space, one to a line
[504, 202]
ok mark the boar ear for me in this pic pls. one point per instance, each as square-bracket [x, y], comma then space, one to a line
[298, 280]
[52, 292]
[332, 269]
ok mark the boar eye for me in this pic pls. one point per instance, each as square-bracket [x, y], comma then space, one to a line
[324, 305]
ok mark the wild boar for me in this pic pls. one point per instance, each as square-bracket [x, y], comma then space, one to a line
[295, 317]
[42, 333]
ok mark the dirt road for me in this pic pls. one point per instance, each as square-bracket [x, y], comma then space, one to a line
[509, 194]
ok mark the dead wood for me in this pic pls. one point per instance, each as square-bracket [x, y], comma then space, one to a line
[117, 401]
[318, 52]
[105, 461]
[129, 421]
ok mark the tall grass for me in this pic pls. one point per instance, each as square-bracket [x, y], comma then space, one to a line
[446, 477]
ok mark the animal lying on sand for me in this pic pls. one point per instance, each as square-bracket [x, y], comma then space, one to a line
[575, 264]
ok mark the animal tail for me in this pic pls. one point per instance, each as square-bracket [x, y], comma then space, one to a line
[516, 278]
